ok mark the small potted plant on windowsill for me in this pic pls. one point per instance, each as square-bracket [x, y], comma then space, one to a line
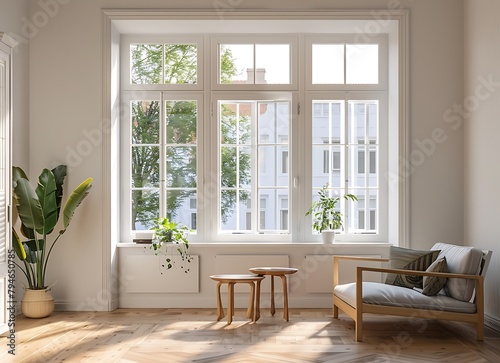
[168, 233]
[326, 220]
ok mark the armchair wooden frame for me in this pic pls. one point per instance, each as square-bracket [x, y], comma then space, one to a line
[356, 312]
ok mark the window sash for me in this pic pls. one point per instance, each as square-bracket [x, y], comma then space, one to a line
[353, 231]
[128, 40]
[298, 166]
[268, 39]
[345, 39]
[262, 229]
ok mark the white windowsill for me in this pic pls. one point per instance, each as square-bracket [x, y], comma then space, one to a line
[270, 244]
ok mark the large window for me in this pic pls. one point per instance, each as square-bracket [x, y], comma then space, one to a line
[234, 135]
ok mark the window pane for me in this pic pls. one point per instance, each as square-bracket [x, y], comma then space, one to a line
[357, 165]
[145, 122]
[372, 115]
[235, 213]
[326, 121]
[327, 63]
[145, 208]
[236, 63]
[362, 63]
[181, 122]
[181, 154]
[247, 155]
[326, 161]
[283, 210]
[178, 205]
[269, 223]
[361, 161]
[244, 171]
[229, 167]
[267, 157]
[145, 166]
[361, 219]
[146, 63]
[180, 64]
[262, 220]
[373, 160]
[273, 122]
[336, 158]
[181, 167]
[284, 161]
[373, 220]
[228, 126]
[327, 148]
[357, 122]
[366, 212]
[272, 62]
[228, 210]
[284, 220]
[193, 221]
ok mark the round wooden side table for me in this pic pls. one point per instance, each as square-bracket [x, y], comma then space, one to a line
[281, 272]
[253, 310]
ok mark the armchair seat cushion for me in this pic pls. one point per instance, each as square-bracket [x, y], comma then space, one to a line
[390, 295]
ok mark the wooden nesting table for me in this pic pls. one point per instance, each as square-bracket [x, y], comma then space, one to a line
[276, 271]
[253, 310]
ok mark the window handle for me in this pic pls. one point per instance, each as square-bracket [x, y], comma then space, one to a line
[295, 182]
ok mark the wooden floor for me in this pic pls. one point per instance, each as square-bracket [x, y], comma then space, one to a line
[194, 335]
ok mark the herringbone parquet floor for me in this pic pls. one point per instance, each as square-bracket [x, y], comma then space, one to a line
[189, 335]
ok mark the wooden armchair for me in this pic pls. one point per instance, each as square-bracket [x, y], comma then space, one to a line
[360, 297]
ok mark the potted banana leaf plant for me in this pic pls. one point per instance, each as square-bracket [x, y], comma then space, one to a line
[39, 209]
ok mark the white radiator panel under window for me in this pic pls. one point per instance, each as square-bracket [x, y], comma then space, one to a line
[145, 274]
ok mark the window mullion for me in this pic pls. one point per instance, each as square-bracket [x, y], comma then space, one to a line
[237, 181]
[255, 170]
[346, 176]
[162, 158]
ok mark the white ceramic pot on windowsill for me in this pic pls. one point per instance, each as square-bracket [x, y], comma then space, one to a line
[328, 236]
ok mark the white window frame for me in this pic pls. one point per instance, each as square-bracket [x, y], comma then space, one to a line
[398, 114]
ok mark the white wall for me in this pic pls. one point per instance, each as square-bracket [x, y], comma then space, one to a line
[11, 22]
[482, 130]
[65, 104]
[11, 15]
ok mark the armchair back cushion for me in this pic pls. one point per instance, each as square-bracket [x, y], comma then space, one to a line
[460, 260]
[408, 259]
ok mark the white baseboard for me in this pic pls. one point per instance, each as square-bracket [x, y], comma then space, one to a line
[79, 306]
[492, 322]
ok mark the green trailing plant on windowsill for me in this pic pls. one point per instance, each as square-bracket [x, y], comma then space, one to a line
[171, 233]
[39, 210]
[325, 217]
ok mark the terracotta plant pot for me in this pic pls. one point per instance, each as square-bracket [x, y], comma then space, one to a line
[37, 303]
